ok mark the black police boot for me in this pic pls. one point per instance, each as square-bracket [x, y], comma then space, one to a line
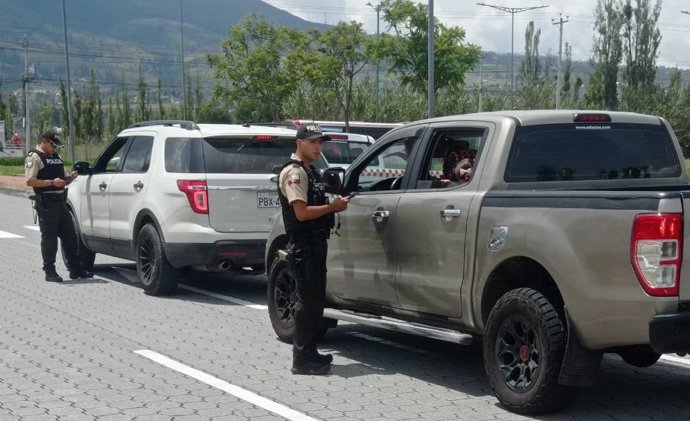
[311, 368]
[320, 358]
[52, 276]
[84, 274]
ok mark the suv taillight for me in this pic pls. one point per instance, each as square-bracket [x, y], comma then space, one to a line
[656, 251]
[197, 194]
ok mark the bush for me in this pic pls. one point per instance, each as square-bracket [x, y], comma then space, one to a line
[12, 161]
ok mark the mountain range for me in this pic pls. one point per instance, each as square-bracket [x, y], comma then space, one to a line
[115, 38]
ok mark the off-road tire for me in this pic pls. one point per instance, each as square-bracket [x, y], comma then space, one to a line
[85, 256]
[640, 356]
[155, 273]
[281, 304]
[524, 345]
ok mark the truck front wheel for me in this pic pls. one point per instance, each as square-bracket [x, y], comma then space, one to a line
[524, 346]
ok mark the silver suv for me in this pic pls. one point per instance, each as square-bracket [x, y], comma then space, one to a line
[173, 194]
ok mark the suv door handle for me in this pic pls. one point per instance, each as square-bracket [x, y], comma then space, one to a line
[380, 214]
[138, 185]
[449, 213]
[102, 186]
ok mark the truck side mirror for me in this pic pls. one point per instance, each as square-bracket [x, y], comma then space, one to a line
[332, 180]
[82, 168]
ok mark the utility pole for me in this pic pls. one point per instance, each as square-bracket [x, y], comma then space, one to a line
[25, 89]
[430, 63]
[559, 82]
[378, 104]
[512, 11]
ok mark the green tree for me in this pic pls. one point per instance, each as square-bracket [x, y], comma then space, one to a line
[142, 113]
[255, 66]
[64, 115]
[607, 51]
[641, 39]
[530, 71]
[343, 53]
[407, 52]
[159, 94]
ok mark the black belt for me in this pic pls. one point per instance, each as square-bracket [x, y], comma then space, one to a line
[52, 196]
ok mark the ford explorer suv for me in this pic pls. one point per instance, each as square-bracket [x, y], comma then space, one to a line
[173, 194]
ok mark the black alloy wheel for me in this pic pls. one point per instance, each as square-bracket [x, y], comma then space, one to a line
[518, 353]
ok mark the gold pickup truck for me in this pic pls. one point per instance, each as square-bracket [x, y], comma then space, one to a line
[552, 236]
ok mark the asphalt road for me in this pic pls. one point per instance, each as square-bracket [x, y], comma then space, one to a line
[101, 349]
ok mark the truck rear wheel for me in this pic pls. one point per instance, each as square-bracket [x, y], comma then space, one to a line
[154, 271]
[524, 347]
[640, 356]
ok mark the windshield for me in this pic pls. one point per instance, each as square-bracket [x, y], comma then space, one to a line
[573, 152]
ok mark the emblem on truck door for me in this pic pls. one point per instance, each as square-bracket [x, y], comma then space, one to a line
[498, 237]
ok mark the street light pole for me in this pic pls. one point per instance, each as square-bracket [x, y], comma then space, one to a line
[70, 138]
[430, 63]
[512, 11]
[27, 106]
[184, 82]
[378, 10]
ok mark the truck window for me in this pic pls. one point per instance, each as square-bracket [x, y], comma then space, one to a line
[569, 152]
[450, 157]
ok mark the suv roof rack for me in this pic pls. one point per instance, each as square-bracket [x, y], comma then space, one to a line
[185, 124]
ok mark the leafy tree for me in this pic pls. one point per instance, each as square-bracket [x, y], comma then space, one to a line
[64, 116]
[142, 113]
[44, 120]
[255, 66]
[641, 39]
[530, 71]
[343, 53]
[159, 94]
[407, 53]
[607, 52]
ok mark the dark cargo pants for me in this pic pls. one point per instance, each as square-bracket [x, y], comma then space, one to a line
[307, 264]
[55, 222]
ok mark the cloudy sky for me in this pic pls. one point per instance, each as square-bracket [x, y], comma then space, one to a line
[490, 28]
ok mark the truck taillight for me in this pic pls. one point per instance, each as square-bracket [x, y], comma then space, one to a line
[656, 251]
[197, 194]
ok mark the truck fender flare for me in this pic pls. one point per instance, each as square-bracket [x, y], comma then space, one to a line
[580, 365]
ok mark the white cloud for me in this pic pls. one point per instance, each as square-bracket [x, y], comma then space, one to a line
[490, 28]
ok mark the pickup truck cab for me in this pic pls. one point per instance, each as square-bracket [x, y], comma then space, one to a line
[560, 241]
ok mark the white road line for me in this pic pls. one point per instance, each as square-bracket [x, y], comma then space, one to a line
[675, 359]
[225, 298]
[5, 234]
[32, 227]
[226, 387]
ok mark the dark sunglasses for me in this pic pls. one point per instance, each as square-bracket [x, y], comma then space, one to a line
[54, 145]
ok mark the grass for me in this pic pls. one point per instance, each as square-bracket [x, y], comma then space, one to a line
[12, 170]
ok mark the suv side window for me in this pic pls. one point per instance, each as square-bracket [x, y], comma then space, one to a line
[111, 158]
[138, 156]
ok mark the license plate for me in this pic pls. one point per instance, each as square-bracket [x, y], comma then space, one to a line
[265, 199]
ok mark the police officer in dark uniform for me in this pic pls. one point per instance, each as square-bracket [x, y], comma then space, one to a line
[308, 218]
[46, 173]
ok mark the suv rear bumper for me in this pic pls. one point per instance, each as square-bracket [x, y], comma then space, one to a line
[670, 333]
[239, 253]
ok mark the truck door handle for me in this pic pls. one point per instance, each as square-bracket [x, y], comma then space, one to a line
[102, 186]
[449, 213]
[380, 214]
[138, 185]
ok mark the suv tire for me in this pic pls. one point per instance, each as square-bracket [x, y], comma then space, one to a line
[524, 347]
[153, 269]
[85, 256]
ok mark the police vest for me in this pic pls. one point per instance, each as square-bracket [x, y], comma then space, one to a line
[316, 195]
[53, 168]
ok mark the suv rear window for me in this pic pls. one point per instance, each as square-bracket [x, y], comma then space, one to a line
[337, 152]
[220, 155]
[571, 152]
